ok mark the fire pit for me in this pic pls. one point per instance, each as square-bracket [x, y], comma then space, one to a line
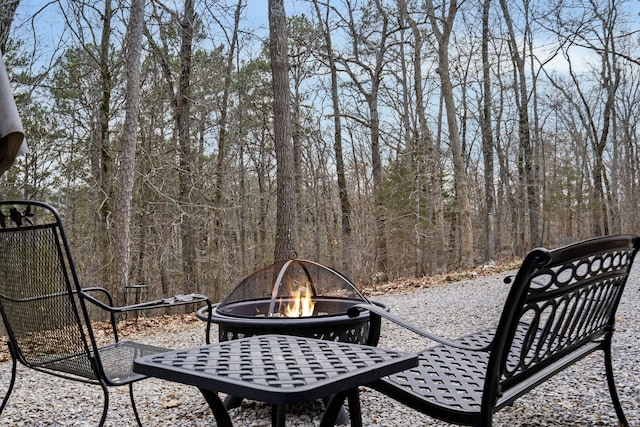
[295, 297]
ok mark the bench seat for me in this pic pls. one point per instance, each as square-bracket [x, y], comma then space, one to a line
[450, 380]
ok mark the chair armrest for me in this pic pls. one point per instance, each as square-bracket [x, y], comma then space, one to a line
[84, 292]
[355, 310]
[175, 300]
[159, 303]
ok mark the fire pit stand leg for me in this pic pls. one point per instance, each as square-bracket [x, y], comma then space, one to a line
[334, 410]
[278, 414]
[341, 417]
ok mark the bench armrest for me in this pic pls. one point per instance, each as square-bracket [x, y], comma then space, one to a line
[355, 310]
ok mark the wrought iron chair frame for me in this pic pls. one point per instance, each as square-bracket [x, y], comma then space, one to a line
[561, 307]
[88, 362]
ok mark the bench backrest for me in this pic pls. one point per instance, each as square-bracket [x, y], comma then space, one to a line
[560, 300]
[45, 320]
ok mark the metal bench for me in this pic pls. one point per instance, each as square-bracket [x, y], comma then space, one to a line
[560, 308]
[47, 313]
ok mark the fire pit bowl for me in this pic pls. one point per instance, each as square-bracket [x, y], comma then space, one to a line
[295, 297]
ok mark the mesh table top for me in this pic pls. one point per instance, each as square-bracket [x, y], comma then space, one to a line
[276, 369]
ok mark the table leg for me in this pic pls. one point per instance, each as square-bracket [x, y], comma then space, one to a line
[355, 413]
[278, 415]
[217, 407]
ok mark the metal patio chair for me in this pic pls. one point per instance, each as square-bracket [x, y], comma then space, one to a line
[47, 313]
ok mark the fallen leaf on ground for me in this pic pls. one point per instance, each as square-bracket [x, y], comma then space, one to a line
[171, 404]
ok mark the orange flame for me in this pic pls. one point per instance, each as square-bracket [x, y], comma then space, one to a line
[302, 304]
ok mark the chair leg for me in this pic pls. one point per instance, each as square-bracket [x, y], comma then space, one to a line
[486, 416]
[133, 405]
[612, 385]
[105, 408]
[11, 383]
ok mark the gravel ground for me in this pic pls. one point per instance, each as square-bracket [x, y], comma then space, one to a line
[577, 396]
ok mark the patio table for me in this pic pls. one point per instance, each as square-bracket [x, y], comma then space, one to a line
[279, 370]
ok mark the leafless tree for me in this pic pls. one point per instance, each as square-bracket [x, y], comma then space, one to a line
[487, 137]
[365, 66]
[122, 244]
[443, 38]
[7, 12]
[530, 196]
[345, 204]
[286, 202]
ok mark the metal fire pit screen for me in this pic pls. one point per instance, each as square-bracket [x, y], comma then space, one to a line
[295, 297]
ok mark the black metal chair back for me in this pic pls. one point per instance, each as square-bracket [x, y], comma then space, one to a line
[38, 295]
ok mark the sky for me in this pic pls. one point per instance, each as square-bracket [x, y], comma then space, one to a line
[48, 25]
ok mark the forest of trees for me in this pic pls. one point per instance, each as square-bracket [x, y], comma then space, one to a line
[424, 135]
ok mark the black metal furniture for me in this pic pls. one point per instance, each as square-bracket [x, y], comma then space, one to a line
[47, 313]
[278, 369]
[561, 307]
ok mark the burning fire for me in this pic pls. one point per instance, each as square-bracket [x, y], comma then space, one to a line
[302, 304]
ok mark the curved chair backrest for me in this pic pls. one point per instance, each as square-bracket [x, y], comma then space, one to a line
[560, 300]
[38, 291]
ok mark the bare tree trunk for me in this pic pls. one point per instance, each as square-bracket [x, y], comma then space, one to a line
[376, 171]
[345, 204]
[429, 167]
[242, 209]
[122, 250]
[224, 111]
[377, 48]
[487, 139]
[223, 124]
[526, 167]
[459, 170]
[181, 103]
[376, 161]
[7, 12]
[610, 81]
[286, 202]
[184, 137]
[297, 78]
[101, 160]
